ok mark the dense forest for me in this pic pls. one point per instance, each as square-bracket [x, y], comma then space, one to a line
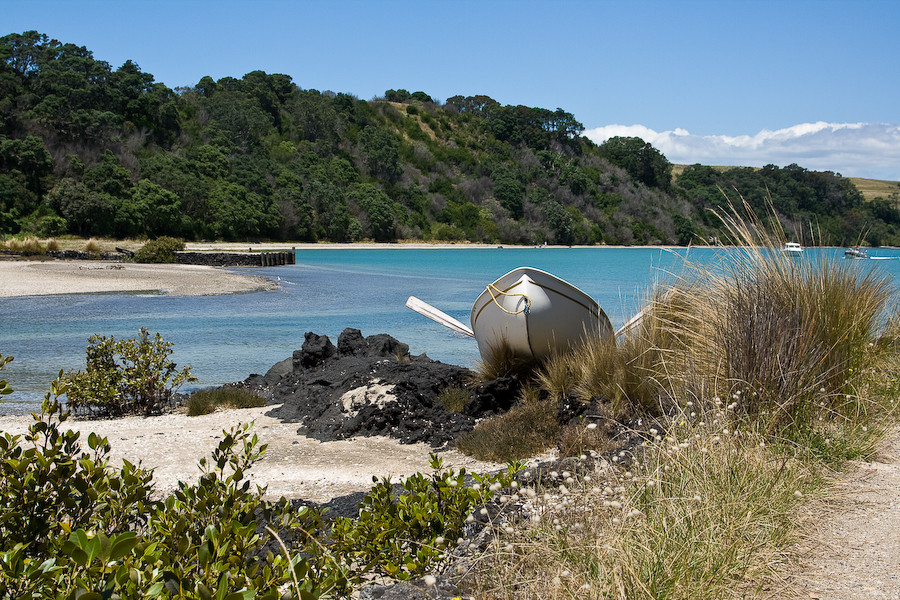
[89, 150]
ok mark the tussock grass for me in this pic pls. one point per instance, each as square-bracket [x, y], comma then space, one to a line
[92, 247]
[501, 361]
[30, 246]
[204, 402]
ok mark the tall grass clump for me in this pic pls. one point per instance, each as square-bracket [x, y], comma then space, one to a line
[779, 340]
[788, 336]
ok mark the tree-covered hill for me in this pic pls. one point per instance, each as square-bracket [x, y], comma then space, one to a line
[90, 150]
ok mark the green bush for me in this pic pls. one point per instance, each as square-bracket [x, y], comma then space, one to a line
[128, 376]
[401, 536]
[75, 527]
[160, 250]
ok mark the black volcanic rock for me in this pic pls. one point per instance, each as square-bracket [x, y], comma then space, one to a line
[373, 386]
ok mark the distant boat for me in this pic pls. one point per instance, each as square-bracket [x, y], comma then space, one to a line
[792, 249]
[535, 314]
[855, 252]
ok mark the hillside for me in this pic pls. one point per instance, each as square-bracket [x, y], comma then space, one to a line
[90, 150]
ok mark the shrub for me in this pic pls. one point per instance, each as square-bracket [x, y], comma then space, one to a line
[73, 526]
[203, 402]
[128, 376]
[160, 250]
[401, 536]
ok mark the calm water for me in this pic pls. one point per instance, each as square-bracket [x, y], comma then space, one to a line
[226, 338]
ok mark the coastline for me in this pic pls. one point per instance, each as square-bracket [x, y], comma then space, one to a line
[44, 278]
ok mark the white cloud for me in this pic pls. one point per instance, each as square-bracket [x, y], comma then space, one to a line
[852, 149]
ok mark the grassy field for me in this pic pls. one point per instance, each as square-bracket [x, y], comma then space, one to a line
[874, 188]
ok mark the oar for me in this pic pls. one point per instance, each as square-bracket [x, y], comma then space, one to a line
[643, 313]
[423, 308]
[633, 321]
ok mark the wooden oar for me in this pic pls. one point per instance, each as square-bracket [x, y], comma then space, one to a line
[423, 308]
[633, 321]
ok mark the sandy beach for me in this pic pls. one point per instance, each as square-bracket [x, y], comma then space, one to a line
[41, 278]
[294, 466]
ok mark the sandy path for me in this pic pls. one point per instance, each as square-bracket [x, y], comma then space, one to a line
[853, 552]
[33, 278]
[294, 466]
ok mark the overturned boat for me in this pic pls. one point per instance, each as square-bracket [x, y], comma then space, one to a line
[528, 312]
[535, 314]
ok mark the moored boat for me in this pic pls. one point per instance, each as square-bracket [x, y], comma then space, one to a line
[792, 249]
[855, 252]
[535, 314]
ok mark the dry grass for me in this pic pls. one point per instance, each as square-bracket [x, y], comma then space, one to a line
[527, 429]
[501, 361]
[30, 246]
[204, 402]
[697, 514]
[875, 188]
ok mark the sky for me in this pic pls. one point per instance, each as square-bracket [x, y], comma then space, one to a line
[715, 82]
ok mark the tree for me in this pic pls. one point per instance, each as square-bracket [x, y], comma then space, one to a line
[238, 214]
[509, 192]
[382, 156]
[643, 162]
[379, 211]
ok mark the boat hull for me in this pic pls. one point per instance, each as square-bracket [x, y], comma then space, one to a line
[535, 314]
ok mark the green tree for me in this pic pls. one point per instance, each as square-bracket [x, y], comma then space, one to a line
[238, 214]
[379, 211]
[641, 161]
[381, 151]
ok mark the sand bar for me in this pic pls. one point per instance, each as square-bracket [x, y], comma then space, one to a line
[42, 278]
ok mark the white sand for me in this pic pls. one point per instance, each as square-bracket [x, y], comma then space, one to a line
[34, 278]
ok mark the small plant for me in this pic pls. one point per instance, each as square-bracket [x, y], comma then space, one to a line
[203, 402]
[126, 376]
[528, 428]
[160, 250]
[454, 399]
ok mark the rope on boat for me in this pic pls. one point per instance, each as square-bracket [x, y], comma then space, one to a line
[492, 289]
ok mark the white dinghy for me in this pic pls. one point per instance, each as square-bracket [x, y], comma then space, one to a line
[535, 314]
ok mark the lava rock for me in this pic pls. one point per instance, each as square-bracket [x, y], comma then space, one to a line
[373, 386]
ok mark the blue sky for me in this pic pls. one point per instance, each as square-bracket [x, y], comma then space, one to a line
[715, 82]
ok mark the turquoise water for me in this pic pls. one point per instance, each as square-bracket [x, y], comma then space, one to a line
[226, 338]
